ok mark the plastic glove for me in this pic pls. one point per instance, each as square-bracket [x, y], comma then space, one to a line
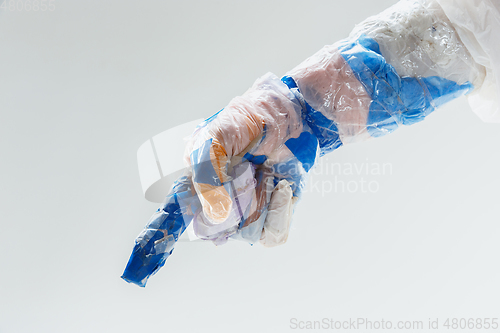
[239, 155]
[249, 162]
[247, 167]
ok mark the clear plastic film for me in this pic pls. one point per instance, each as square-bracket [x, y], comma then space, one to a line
[477, 22]
[248, 163]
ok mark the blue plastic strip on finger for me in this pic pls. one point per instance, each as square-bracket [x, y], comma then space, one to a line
[304, 148]
[209, 119]
[212, 117]
[289, 81]
[203, 169]
[155, 244]
[258, 160]
[395, 100]
[325, 130]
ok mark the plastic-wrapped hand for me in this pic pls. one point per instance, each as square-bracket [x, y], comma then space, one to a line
[248, 165]
[249, 162]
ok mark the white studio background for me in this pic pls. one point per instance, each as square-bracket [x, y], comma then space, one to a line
[84, 85]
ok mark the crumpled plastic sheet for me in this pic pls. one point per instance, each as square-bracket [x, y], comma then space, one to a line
[248, 163]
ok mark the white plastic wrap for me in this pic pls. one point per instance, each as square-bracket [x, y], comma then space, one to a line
[477, 22]
[418, 40]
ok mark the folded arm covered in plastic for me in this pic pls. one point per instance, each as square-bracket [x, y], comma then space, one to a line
[248, 163]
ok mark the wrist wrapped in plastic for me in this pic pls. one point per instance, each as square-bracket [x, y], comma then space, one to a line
[249, 162]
